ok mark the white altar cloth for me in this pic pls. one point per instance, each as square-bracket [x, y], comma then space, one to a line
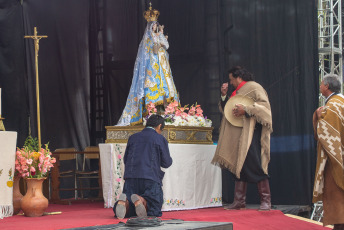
[191, 182]
[8, 142]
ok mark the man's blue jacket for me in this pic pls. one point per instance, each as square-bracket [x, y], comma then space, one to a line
[146, 152]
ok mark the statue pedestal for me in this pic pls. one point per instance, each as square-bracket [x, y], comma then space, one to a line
[173, 134]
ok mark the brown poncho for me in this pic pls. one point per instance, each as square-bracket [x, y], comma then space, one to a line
[329, 176]
[234, 142]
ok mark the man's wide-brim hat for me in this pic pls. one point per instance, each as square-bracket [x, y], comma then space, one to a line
[230, 105]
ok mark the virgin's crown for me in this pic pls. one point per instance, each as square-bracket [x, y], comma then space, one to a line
[151, 15]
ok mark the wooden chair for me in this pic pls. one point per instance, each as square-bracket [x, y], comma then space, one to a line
[64, 155]
[91, 152]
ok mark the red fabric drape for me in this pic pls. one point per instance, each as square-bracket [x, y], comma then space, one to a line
[239, 86]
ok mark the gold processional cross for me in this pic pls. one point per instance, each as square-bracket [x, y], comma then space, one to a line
[2, 127]
[36, 39]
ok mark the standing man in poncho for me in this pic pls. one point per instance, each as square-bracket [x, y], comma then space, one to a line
[245, 151]
[328, 123]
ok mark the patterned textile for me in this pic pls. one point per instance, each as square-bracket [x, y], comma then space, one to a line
[8, 141]
[333, 200]
[330, 134]
[152, 78]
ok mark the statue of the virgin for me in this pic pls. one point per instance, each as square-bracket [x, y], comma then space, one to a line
[152, 78]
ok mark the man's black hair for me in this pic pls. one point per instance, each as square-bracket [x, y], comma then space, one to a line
[155, 120]
[238, 71]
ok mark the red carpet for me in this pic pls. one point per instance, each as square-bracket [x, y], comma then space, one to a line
[90, 214]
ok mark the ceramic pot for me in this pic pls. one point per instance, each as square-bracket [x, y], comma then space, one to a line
[34, 202]
[17, 196]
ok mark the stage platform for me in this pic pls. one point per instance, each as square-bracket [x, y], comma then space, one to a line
[80, 215]
[166, 225]
[297, 210]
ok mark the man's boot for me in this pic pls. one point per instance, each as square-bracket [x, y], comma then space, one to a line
[265, 195]
[140, 205]
[239, 196]
[122, 206]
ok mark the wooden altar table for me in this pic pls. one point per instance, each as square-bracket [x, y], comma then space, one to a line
[191, 182]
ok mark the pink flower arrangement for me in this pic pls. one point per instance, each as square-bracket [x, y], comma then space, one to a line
[171, 108]
[196, 111]
[31, 163]
[151, 108]
[176, 115]
[174, 108]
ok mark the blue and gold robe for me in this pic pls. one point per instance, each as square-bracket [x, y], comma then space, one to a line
[152, 80]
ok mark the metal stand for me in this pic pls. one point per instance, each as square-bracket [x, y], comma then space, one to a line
[318, 211]
[330, 39]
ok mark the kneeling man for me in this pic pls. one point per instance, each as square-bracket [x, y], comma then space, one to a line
[146, 152]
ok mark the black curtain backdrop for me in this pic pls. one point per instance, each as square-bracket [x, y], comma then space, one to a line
[275, 40]
[63, 70]
[187, 27]
[13, 81]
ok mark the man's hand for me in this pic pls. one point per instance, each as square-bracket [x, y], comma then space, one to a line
[316, 117]
[319, 111]
[238, 110]
[224, 89]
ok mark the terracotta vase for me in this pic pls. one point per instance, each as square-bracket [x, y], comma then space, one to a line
[34, 202]
[17, 196]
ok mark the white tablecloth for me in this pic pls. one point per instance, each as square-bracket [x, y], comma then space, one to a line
[191, 182]
[8, 142]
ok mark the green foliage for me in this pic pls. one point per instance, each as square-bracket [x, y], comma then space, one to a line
[31, 144]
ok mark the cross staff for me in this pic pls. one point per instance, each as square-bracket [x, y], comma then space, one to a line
[2, 127]
[36, 39]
